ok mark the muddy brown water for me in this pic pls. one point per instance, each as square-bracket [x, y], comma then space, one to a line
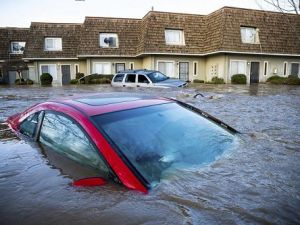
[256, 183]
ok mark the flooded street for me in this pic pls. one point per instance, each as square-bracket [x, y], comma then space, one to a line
[257, 183]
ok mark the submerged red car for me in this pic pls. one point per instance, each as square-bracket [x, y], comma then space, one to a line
[134, 140]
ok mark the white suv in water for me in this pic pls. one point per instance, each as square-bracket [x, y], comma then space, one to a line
[145, 78]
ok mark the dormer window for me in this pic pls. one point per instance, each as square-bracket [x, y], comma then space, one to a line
[53, 44]
[249, 35]
[17, 47]
[174, 37]
[108, 40]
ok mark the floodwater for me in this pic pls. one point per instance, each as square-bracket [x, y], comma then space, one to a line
[257, 183]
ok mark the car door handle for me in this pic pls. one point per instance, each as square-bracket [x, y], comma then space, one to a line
[138, 85]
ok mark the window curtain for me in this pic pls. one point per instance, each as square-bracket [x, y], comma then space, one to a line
[174, 36]
[102, 68]
[53, 44]
[238, 67]
[248, 35]
[166, 68]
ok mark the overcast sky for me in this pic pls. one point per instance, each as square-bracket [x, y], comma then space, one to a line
[19, 13]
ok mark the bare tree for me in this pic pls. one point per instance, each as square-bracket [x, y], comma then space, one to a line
[284, 6]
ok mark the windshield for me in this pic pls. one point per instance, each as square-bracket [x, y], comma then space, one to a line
[157, 77]
[163, 138]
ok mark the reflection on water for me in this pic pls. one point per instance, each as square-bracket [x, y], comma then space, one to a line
[258, 183]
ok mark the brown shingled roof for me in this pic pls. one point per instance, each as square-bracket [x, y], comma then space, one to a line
[126, 29]
[204, 34]
[153, 32]
[278, 33]
[220, 31]
[9, 34]
[38, 31]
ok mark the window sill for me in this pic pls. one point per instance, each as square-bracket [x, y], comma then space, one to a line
[176, 44]
[54, 50]
[108, 47]
[16, 53]
[250, 43]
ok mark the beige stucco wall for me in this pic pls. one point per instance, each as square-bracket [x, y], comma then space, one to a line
[275, 65]
[208, 67]
[151, 62]
[215, 66]
[148, 63]
[138, 63]
[35, 69]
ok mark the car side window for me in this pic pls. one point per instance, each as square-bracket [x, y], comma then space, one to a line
[130, 78]
[65, 136]
[119, 78]
[143, 79]
[29, 125]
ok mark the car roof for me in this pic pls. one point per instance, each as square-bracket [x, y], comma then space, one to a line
[139, 71]
[106, 103]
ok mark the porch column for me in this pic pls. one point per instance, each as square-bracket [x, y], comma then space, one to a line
[88, 66]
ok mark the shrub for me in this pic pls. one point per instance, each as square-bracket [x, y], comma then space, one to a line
[46, 79]
[291, 80]
[29, 82]
[20, 81]
[274, 78]
[100, 81]
[79, 75]
[216, 80]
[239, 79]
[74, 81]
[23, 82]
[97, 79]
[198, 81]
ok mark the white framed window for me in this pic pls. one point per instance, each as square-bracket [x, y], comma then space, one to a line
[76, 68]
[238, 67]
[49, 68]
[131, 65]
[53, 44]
[166, 67]
[17, 47]
[249, 35]
[285, 68]
[266, 68]
[108, 40]
[174, 37]
[102, 68]
[195, 68]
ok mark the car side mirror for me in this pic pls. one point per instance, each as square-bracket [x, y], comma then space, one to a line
[90, 182]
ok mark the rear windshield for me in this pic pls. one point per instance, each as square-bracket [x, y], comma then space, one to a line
[160, 139]
[157, 77]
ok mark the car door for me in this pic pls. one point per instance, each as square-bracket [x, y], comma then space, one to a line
[64, 135]
[29, 126]
[143, 81]
[118, 80]
[130, 80]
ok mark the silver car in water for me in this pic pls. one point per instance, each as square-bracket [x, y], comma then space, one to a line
[145, 78]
